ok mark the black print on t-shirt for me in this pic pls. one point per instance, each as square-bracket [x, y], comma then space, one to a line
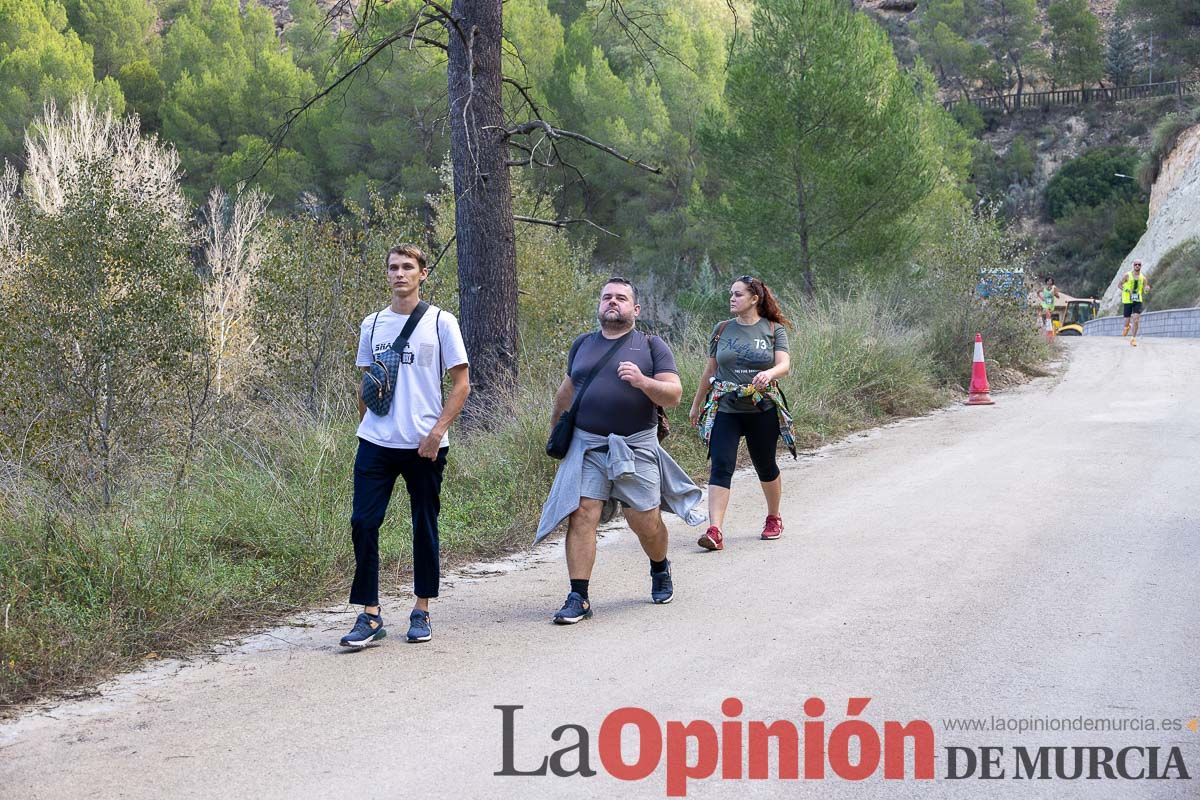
[407, 357]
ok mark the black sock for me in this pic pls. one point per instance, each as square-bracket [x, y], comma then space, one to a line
[580, 585]
[658, 566]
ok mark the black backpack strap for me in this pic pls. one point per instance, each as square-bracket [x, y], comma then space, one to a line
[402, 340]
[596, 369]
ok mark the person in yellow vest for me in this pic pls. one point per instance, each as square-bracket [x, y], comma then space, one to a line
[1133, 293]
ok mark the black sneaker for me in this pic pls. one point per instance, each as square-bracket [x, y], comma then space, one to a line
[662, 590]
[363, 632]
[574, 610]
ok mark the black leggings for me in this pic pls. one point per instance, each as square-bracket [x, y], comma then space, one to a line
[761, 430]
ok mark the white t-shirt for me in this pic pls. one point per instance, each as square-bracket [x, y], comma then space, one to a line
[417, 401]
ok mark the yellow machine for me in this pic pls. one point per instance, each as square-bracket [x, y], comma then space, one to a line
[1071, 312]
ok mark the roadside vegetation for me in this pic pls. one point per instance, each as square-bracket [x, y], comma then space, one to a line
[1177, 278]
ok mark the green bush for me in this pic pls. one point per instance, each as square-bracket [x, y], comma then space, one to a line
[967, 115]
[1092, 179]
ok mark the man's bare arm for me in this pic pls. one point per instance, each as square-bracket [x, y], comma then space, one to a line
[664, 389]
[460, 389]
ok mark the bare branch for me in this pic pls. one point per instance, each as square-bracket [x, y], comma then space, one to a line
[438, 260]
[552, 133]
[537, 112]
[524, 90]
[635, 31]
[562, 223]
[733, 40]
[448, 17]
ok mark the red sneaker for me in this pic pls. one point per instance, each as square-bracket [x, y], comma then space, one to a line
[712, 539]
[773, 527]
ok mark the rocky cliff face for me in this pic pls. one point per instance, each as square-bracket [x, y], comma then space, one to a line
[1174, 212]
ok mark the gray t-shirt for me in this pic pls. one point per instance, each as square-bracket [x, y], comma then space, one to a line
[742, 352]
[610, 405]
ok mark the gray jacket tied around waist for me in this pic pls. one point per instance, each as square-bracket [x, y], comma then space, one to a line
[679, 495]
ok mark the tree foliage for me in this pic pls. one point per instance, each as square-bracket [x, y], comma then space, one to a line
[1076, 55]
[1120, 52]
[41, 60]
[981, 44]
[119, 31]
[1175, 26]
[230, 85]
[1091, 179]
[827, 151]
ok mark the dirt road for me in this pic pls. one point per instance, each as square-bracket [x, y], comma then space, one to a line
[1035, 560]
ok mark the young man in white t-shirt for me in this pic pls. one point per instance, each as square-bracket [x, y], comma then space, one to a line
[409, 441]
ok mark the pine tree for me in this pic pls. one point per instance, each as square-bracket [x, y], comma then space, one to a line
[1120, 57]
[827, 149]
[41, 60]
[1077, 56]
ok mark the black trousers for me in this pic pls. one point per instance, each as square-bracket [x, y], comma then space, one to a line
[375, 471]
[761, 430]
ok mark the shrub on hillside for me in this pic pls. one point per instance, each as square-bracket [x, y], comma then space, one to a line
[102, 333]
[1092, 179]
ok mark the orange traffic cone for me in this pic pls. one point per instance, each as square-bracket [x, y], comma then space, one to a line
[979, 382]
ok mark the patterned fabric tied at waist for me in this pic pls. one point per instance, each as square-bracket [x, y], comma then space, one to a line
[773, 392]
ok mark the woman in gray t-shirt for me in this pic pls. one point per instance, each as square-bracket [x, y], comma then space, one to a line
[746, 355]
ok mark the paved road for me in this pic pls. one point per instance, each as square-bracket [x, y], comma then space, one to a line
[1035, 559]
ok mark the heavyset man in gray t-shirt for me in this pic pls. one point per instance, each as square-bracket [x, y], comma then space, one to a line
[614, 453]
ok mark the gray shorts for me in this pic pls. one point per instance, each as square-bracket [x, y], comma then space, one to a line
[640, 490]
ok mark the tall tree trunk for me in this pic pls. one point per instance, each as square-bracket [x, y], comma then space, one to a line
[487, 258]
[806, 270]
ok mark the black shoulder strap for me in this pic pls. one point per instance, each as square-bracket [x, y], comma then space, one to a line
[377, 313]
[596, 369]
[437, 326]
[405, 332]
